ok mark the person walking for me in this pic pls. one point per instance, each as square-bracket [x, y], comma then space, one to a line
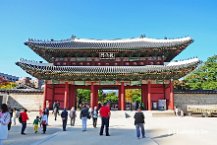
[84, 115]
[46, 111]
[4, 121]
[139, 123]
[58, 107]
[72, 116]
[64, 116]
[35, 124]
[54, 105]
[24, 118]
[94, 114]
[44, 122]
[10, 110]
[15, 116]
[105, 116]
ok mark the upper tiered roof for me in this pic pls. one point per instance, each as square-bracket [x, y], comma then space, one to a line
[118, 44]
[69, 47]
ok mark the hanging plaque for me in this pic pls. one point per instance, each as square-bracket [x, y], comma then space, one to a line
[106, 55]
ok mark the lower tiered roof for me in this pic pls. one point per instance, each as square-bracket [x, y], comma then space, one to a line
[47, 71]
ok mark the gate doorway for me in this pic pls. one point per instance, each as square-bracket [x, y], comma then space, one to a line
[133, 99]
[82, 97]
[109, 96]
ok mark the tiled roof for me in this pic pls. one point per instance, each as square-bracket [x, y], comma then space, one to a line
[169, 71]
[134, 43]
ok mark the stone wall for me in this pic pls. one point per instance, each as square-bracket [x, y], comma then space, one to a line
[183, 99]
[30, 101]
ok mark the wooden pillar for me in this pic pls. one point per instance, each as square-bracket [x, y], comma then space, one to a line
[122, 97]
[72, 98]
[66, 95]
[52, 93]
[45, 95]
[119, 97]
[149, 96]
[96, 96]
[92, 94]
[171, 99]
[144, 94]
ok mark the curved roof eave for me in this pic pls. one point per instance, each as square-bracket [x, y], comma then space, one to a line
[77, 43]
[47, 67]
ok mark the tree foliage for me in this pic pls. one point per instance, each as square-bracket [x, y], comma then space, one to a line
[83, 95]
[108, 97]
[7, 85]
[205, 77]
[111, 97]
[133, 95]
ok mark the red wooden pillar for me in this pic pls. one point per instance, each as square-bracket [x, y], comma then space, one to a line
[52, 93]
[66, 95]
[144, 93]
[122, 97]
[72, 98]
[171, 100]
[92, 94]
[119, 97]
[149, 96]
[45, 95]
[96, 96]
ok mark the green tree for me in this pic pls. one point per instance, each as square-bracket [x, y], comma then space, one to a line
[136, 95]
[205, 77]
[83, 95]
[111, 97]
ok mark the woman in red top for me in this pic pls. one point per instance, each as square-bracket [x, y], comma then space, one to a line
[24, 117]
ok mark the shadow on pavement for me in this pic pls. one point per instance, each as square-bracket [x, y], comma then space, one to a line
[162, 136]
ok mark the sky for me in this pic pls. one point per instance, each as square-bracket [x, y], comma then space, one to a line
[104, 19]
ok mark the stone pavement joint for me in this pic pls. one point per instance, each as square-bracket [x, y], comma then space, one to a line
[46, 139]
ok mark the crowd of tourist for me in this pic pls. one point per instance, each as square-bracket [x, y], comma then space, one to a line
[9, 116]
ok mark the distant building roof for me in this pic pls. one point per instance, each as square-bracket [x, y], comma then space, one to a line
[22, 89]
[9, 77]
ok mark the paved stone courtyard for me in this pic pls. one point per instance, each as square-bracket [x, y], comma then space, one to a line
[159, 130]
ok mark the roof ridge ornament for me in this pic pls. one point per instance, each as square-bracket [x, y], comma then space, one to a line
[142, 36]
[73, 36]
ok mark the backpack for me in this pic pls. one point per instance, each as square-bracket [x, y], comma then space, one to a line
[64, 115]
[20, 118]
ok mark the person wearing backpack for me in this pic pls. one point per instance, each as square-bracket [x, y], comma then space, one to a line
[64, 116]
[84, 115]
[24, 117]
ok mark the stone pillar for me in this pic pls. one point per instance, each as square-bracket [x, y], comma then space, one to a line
[122, 97]
[171, 100]
[66, 95]
[92, 94]
[149, 96]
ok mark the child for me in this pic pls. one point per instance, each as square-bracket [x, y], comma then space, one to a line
[35, 123]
